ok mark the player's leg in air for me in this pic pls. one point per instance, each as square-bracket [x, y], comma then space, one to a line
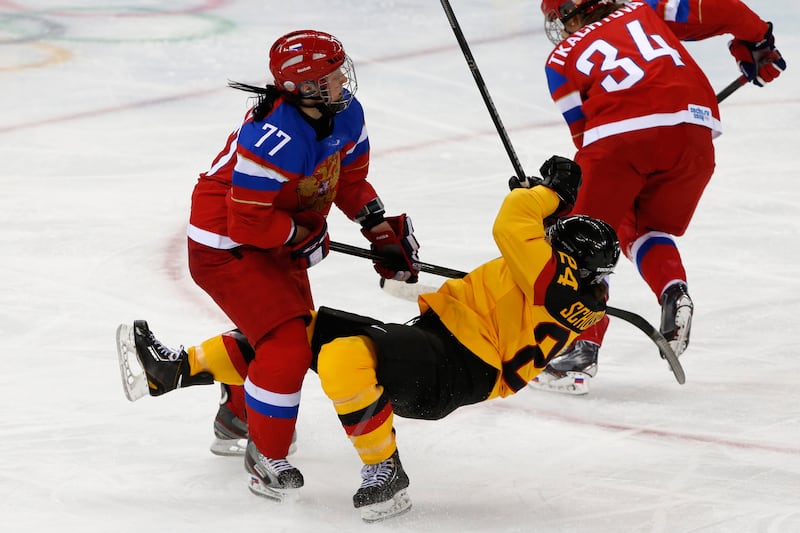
[223, 358]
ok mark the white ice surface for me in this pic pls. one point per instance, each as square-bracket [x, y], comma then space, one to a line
[109, 112]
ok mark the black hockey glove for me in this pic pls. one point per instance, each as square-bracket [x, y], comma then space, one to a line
[529, 181]
[561, 175]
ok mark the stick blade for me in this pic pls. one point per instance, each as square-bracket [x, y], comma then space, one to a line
[664, 348]
[405, 291]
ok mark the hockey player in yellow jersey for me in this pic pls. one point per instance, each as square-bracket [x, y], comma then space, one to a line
[477, 338]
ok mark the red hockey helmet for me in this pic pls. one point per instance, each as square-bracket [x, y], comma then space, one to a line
[302, 61]
[566, 9]
[555, 8]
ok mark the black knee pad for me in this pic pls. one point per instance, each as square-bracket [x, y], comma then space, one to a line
[332, 324]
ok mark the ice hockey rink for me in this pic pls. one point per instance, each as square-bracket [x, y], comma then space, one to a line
[109, 111]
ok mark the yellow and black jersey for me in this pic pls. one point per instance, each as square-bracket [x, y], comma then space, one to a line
[518, 311]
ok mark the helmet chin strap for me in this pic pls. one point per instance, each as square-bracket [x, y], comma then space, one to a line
[322, 124]
[318, 103]
[307, 102]
[326, 110]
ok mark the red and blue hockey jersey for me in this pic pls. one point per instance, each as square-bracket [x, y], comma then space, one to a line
[694, 20]
[272, 168]
[629, 71]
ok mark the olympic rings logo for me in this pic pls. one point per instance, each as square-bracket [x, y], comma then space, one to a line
[31, 38]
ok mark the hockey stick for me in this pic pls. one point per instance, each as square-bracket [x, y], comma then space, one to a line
[409, 292]
[424, 267]
[663, 345]
[473, 67]
[731, 88]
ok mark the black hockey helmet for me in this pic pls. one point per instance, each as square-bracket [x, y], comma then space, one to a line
[590, 241]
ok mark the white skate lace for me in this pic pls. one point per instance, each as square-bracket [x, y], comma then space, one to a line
[374, 475]
[164, 352]
[276, 465]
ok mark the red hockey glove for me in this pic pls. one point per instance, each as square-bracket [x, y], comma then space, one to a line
[397, 249]
[315, 247]
[759, 62]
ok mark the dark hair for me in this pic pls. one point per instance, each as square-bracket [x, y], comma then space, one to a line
[266, 97]
[599, 13]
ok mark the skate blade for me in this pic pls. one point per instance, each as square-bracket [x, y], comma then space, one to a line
[575, 383]
[228, 447]
[134, 380]
[399, 504]
[683, 325]
[277, 495]
[237, 447]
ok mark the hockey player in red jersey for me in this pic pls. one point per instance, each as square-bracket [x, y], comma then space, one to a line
[476, 339]
[258, 222]
[643, 115]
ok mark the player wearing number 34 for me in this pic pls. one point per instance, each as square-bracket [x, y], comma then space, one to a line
[642, 115]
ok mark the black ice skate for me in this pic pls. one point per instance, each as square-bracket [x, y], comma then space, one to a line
[676, 316]
[383, 490]
[275, 479]
[571, 371]
[160, 369]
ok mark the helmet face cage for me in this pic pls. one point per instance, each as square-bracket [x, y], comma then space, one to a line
[558, 12]
[554, 28]
[555, 14]
[313, 65]
[591, 242]
[338, 88]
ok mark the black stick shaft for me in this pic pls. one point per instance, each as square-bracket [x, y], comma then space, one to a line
[487, 99]
[424, 267]
[731, 88]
